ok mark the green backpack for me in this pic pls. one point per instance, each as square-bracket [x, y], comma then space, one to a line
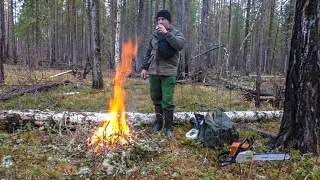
[217, 130]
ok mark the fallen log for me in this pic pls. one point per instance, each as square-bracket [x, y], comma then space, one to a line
[261, 133]
[231, 86]
[249, 97]
[31, 90]
[69, 71]
[42, 117]
[272, 76]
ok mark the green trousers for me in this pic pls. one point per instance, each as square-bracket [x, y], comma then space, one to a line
[162, 90]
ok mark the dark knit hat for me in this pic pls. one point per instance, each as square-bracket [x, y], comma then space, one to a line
[164, 13]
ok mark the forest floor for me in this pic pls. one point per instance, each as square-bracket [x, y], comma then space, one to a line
[52, 152]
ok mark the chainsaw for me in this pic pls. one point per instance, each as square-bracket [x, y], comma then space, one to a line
[240, 152]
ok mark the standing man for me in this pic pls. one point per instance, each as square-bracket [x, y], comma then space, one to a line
[161, 63]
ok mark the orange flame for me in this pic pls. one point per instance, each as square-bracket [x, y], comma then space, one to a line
[114, 131]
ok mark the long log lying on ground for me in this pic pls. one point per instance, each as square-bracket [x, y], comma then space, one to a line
[261, 133]
[230, 85]
[31, 90]
[47, 116]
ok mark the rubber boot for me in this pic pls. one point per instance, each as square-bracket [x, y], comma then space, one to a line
[168, 116]
[158, 124]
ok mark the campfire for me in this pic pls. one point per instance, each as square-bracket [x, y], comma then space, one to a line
[114, 131]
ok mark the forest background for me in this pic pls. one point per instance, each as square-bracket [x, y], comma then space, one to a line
[221, 35]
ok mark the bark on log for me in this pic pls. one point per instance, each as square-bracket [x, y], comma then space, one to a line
[41, 117]
[31, 90]
[237, 116]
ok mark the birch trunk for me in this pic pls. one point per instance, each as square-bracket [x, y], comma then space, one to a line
[47, 116]
[117, 40]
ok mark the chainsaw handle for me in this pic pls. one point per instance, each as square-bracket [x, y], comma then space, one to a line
[222, 154]
[248, 140]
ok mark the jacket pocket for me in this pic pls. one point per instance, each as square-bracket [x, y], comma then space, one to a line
[152, 57]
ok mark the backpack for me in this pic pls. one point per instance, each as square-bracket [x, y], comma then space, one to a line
[217, 129]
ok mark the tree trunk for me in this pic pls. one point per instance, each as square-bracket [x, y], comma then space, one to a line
[186, 49]
[136, 33]
[260, 54]
[56, 35]
[300, 127]
[202, 41]
[68, 39]
[97, 81]
[28, 42]
[62, 35]
[82, 40]
[113, 35]
[151, 17]
[181, 26]
[37, 48]
[229, 35]
[288, 31]
[13, 51]
[156, 9]
[245, 63]
[2, 32]
[269, 53]
[179, 15]
[117, 40]
[74, 32]
[171, 6]
[89, 43]
[138, 28]
[7, 35]
[272, 61]
[220, 30]
[47, 25]
[124, 22]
